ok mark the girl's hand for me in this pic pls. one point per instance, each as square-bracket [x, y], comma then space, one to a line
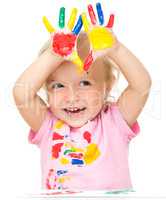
[107, 51]
[102, 39]
[64, 43]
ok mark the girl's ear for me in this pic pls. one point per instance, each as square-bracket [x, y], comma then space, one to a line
[83, 46]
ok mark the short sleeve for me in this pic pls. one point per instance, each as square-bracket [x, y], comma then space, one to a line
[128, 132]
[37, 137]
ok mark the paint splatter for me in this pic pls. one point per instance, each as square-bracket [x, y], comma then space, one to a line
[51, 179]
[75, 155]
[56, 149]
[77, 162]
[68, 151]
[57, 136]
[59, 172]
[87, 136]
[64, 161]
[63, 44]
[59, 124]
[91, 154]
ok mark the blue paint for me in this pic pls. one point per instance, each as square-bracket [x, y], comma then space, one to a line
[100, 13]
[78, 26]
[77, 162]
[59, 172]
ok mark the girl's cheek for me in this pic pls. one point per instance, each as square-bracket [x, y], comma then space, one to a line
[95, 103]
[57, 98]
[94, 97]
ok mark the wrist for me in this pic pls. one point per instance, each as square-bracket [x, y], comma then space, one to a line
[52, 55]
[117, 50]
[50, 58]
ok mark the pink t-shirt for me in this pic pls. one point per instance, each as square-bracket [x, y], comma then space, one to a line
[92, 157]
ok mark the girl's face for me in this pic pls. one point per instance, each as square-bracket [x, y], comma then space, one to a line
[76, 98]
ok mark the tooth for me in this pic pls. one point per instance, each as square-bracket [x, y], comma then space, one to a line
[73, 109]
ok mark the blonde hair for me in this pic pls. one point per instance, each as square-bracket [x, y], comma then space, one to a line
[112, 71]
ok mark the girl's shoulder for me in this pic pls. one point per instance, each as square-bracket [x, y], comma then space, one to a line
[114, 115]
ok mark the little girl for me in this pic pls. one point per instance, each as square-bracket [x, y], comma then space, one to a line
[83, 139]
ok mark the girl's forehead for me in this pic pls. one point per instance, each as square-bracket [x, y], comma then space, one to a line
[68, 72]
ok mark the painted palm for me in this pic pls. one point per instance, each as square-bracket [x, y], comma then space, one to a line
[100, 36]
[64, 39]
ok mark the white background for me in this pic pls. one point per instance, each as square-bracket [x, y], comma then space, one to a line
[141, 26]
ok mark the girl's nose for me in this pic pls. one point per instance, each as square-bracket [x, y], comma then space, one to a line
[73, 95]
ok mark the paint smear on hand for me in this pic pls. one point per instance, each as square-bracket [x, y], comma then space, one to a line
[63, 44]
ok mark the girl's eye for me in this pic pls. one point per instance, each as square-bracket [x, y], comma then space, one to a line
[56, 85]
[85, 83]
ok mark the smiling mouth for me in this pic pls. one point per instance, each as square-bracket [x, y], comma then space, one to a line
[74, 110]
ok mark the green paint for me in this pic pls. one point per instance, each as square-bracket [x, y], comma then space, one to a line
[62, 17]
[68, 151]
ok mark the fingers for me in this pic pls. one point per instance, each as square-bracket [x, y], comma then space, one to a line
[77, 61]
[111, 21]
[71, 22]
[92, 14]
[78, 26]
[100, 16]
[100, 13]
[88, 62]
[85, 22]
[72, 19]
[62, 17]
[48, 25]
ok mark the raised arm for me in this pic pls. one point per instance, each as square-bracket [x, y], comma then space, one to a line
[134, 97]
[32, 108]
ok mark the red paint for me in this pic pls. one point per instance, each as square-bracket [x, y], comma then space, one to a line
[50, 172]
[87, 136]
[88, 61]
[74, 155]
[111, 21]
[92, 14]
[56, 136]
[56, 149]
[63, 44]
[48, 185]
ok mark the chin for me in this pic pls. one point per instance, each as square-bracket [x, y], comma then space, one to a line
[76, 124]
[76, 121]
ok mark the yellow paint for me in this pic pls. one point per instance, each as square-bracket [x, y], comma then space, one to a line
[79, 150]
[64, 161]
[91, 154]
[80, 69]
[73, 149]
[77, 61]
[48, 25]
[85, 22]
[101, 38]
[63, 179]
[72, 19]
[68, 144]
[59, 124]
